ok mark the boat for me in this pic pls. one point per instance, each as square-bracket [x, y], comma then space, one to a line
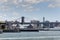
[29, 30]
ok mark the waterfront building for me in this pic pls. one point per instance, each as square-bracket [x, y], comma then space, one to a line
[46, 24]
[51, 25]
[35, 24]
[30, 26]
[57, 24]
[11, 26]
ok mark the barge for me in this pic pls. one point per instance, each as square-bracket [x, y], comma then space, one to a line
[22, 30]
[29, 30]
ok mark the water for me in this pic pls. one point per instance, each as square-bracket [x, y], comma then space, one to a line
[42, 35]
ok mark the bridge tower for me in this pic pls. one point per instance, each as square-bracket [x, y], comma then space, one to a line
[22, 19]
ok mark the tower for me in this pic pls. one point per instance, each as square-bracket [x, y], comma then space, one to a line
[22, 19]
[43, 19]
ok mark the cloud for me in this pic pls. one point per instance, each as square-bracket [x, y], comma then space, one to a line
[16, 14]
[4, 8]
[3, 17]
[20, 3]
[30, 9]
[54, 3]
[35, 1]
[51, 5]
[28, 5]
[3, 1]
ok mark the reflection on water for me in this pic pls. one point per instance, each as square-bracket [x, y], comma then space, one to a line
[42, 35]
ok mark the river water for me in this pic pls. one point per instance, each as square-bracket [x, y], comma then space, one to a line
[42, 35]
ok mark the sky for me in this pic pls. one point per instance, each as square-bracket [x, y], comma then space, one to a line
[30, 9]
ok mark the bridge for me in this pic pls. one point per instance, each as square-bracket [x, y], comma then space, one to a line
[17, 23]
[23, 22]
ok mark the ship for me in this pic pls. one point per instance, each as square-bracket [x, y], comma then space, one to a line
[29, 30]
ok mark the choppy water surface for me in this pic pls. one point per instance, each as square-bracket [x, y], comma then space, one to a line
[42, 35]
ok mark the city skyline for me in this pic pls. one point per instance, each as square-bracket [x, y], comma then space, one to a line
[30, 9]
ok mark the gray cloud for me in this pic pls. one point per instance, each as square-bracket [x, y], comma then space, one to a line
[54, 3]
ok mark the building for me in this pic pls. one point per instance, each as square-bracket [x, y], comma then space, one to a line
[10, 25]
[46, 24]
[35, 24]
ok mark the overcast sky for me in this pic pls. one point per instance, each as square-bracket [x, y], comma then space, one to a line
[31, 9]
